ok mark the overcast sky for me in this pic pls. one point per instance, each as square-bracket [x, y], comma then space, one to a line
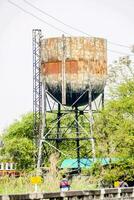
[111, 19]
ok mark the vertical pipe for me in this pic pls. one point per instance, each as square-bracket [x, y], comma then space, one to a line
[77, 139]
[42, 129]
[102, 99]
[58, 124]
[91, 120]
[63, 73]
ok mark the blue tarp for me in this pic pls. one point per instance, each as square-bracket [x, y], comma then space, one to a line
[73, 163]
[85, 162]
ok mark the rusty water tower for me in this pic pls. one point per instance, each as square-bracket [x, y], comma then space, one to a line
[73, 71]
[70, 65]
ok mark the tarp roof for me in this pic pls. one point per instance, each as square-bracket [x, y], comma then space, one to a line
[85, 162]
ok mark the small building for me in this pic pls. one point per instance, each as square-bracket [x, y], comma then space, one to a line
[8, 168]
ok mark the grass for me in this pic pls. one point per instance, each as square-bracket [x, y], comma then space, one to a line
[50, 182]
[14, 185]
[10, 185]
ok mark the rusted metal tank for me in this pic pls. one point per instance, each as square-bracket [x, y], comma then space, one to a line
[72, 65]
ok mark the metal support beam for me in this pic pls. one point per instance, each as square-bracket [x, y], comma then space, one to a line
[37, 84]
[66, 139]
[102, 99]
[58, 125]
[63, 72]
[91, 120]
[41, 136]
[78, 139]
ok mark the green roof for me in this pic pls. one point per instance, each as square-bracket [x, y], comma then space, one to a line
[85, 162]
[73, 163]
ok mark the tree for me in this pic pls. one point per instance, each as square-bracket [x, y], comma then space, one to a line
[115, 129]
[120, 71]
[21, 128]
[19, 144]
[21, 151]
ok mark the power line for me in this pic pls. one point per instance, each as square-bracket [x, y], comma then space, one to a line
[56, 19]
[16, 5]
[121, 53]
[67, 25]
[60, 30]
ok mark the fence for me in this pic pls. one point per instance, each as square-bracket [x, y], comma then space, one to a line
[113, 194]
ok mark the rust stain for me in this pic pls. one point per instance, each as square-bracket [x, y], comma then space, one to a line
[87, 55]
[55, 67]
[74, 67]
[51, 68]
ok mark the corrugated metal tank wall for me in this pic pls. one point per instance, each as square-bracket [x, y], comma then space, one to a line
[85, 63]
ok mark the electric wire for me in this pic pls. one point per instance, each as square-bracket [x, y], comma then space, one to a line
[121, 53]
[78, 30]
[35, 16]
[60, 30]
[67, 25]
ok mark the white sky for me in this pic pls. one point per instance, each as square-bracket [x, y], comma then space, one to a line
[111, 19]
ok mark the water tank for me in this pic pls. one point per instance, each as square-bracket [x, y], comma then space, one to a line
[71, 66]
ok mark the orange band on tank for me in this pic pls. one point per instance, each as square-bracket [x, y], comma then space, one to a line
[56, 67]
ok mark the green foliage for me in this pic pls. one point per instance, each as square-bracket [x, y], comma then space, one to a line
[21, 151]
[124, 102]
[123, 169]
[114, 130]
[21, 128]
[94, 170]
[18, 143]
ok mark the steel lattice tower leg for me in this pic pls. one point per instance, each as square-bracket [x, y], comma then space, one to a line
[78, 139]
[37, 84]
[91, 120]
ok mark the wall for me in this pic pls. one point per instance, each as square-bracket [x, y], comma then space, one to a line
[115, 194]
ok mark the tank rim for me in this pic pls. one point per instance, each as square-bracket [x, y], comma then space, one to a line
[58, 37]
